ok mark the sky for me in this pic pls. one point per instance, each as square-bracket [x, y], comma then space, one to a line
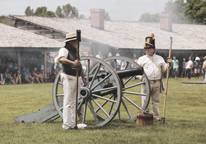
[120, 10]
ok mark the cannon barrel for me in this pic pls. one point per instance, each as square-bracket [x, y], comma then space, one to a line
[130, 72]
[121, 73]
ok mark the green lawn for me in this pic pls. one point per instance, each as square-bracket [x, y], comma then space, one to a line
[185, 119]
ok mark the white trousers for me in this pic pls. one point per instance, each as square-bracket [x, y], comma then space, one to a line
[69, 101]
[154, 96]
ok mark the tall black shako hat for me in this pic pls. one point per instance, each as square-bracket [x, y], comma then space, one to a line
[150, 42]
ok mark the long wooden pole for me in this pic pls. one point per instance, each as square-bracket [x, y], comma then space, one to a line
[78, 33]
[45, 65]
[163, 118]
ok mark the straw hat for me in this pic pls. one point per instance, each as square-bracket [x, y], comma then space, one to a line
[70, 37]
[204, 57]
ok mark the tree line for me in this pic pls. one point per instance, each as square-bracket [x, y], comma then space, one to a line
[189, 11]
[66, 11]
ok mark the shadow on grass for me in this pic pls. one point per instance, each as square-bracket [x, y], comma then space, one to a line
[115, 124]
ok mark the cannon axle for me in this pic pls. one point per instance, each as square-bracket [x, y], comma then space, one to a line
[85, 92]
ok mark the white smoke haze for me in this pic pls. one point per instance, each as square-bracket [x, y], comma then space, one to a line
[121, 10]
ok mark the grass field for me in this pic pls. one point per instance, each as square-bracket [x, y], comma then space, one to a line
[185, 119]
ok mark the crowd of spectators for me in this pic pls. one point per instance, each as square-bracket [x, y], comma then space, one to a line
[27, 72]
[191, 67]
[34, 72]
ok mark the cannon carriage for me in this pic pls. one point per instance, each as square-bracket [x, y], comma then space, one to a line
[108, 88]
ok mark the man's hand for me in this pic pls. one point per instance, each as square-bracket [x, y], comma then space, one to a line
[76, 63]
[169, 60]
[85, 82]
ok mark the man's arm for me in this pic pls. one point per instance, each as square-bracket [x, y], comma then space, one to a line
[191, 65]
[35, 74]
[83, 78]
[7, 76]
[178, 64]
[51, 60]
[204, 65]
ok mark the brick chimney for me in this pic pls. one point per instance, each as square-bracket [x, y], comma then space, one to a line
[166, 22]
[97, 18]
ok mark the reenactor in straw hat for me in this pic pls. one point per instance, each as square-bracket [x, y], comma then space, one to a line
[153, 66]
[68, 60]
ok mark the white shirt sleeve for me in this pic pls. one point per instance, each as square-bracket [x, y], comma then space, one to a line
[63, 52]
[164, 65]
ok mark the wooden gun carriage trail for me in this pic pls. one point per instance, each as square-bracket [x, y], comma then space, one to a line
[108, 88]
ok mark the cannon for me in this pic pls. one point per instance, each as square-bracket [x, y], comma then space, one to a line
[108, 87]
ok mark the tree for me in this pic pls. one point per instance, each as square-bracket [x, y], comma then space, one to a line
[106, 16]
[70, 11]
[40, 11]
[59, 12]
[49, 14]
[176, 10]
[193, 11]
[201, 15]
[29, 11]
[67, 10]
[147, 17]
[74, 13]
[82, 16]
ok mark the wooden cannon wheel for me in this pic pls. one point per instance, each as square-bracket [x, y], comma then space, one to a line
[102, 95]
[131, 94]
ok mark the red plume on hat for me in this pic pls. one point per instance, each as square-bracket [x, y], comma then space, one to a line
[150, 42]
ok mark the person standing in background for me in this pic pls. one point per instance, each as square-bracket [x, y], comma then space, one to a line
[201, 63]
[183, 68]
[175, 63]
[189, 66]
[119, 62]
[49, 65]
[91, 61]
[197, 67]
[99, 55]
[110, 62]
[204, 69]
